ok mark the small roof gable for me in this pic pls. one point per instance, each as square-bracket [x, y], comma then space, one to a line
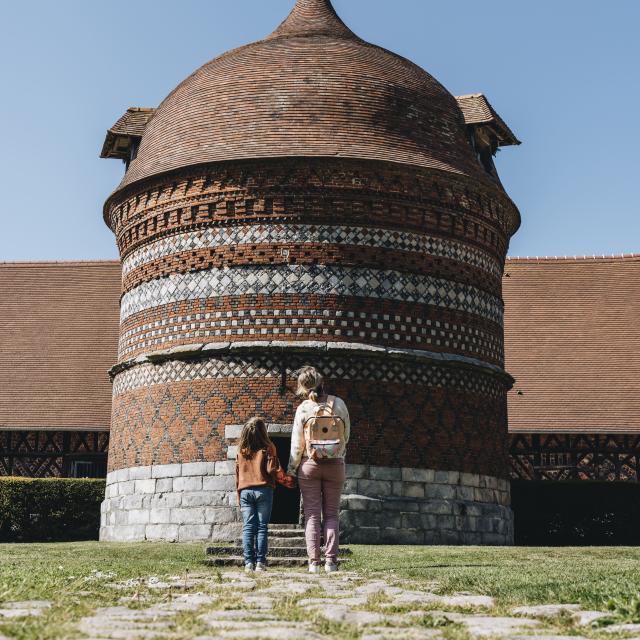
[58, 338]
[478, 111]
[129, 127]
[572, 342]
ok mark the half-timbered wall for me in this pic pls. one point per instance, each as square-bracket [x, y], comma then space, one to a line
[575, 456]
[50, 454]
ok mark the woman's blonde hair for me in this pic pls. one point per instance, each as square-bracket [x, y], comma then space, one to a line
[253, 437]
[310, 383]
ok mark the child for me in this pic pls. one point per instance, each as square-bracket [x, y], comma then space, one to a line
[256, 467]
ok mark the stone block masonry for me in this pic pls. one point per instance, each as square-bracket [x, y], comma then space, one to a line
[383, 505]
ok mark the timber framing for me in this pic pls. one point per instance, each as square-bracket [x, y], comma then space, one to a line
[50, 454]
[575, 456]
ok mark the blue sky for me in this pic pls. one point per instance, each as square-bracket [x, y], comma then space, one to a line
[562, 73]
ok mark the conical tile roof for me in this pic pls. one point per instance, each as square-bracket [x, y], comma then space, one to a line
[310, 89]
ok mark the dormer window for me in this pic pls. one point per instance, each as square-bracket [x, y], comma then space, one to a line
[123, 139]
[486, 130]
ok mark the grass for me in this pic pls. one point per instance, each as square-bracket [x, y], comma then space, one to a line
[597, 578]
[589, 576]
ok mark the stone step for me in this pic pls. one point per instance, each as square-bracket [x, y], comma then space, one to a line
[289, 532]
[276, 552]
[275, 541]
[238, 561]
[285, 527]
[279, 552]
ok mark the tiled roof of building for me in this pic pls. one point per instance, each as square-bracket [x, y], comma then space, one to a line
[572, 340]
[310, 89]
[573, 343]
[130, 125]
[478, 110]
[58, 337]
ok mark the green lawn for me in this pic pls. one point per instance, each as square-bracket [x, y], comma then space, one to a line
[62, 573]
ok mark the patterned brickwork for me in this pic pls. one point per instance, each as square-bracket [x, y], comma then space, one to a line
[324, 280]
[421, 416]
[307, 318]
[283, 255]
[317, 192]
[322, 235]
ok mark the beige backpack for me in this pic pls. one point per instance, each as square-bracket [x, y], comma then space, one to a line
[324, 433]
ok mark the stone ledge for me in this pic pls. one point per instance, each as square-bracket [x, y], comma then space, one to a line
[232, 431]
[204, 350]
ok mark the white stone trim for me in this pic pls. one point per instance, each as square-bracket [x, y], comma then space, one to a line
[273, 234]
[321, 279]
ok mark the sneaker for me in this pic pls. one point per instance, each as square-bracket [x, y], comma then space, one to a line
[248, 568]
[314, 567]
[261, 566]
[331, 567]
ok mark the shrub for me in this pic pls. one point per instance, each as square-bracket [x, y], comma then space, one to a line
[49, 509]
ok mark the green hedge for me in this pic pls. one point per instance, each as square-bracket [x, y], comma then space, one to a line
[49, 509]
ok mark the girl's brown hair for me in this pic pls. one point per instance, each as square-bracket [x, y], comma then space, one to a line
[253, 437]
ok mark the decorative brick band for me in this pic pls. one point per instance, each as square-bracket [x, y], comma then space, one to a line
[197, 501]
[418, 370]
[322, 191]
[310, 324]
[312, 317]
[319, 279]
[276, 234]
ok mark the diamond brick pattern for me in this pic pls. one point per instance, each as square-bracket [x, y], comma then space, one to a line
[371, 370]
[393, 423]
[311, 234]
[318, 279]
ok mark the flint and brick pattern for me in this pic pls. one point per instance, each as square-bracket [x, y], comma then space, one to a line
[319, 279]
[274, 256]
[300, 234]
[433, 330]
[198, 501]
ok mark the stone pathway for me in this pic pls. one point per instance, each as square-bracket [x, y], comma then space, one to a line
[292, 605]
[23, 609]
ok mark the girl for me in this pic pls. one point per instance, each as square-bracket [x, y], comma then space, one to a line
[256, 468]
[320, 480]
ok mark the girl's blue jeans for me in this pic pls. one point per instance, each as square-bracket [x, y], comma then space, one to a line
[255, 504]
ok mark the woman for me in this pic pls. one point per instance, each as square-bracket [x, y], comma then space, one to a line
[319, 464]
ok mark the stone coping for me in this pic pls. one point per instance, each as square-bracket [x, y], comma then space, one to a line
[210, 349]
[232, 431]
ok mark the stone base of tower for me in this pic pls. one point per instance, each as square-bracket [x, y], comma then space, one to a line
[391, 505]
[381, 505]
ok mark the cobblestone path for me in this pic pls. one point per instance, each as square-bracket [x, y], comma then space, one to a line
[292, 605]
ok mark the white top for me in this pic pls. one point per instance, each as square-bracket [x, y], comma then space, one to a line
[305, 411]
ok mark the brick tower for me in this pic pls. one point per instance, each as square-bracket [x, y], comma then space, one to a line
[311, 199]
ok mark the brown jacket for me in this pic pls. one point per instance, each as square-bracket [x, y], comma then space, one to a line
[257, 471]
